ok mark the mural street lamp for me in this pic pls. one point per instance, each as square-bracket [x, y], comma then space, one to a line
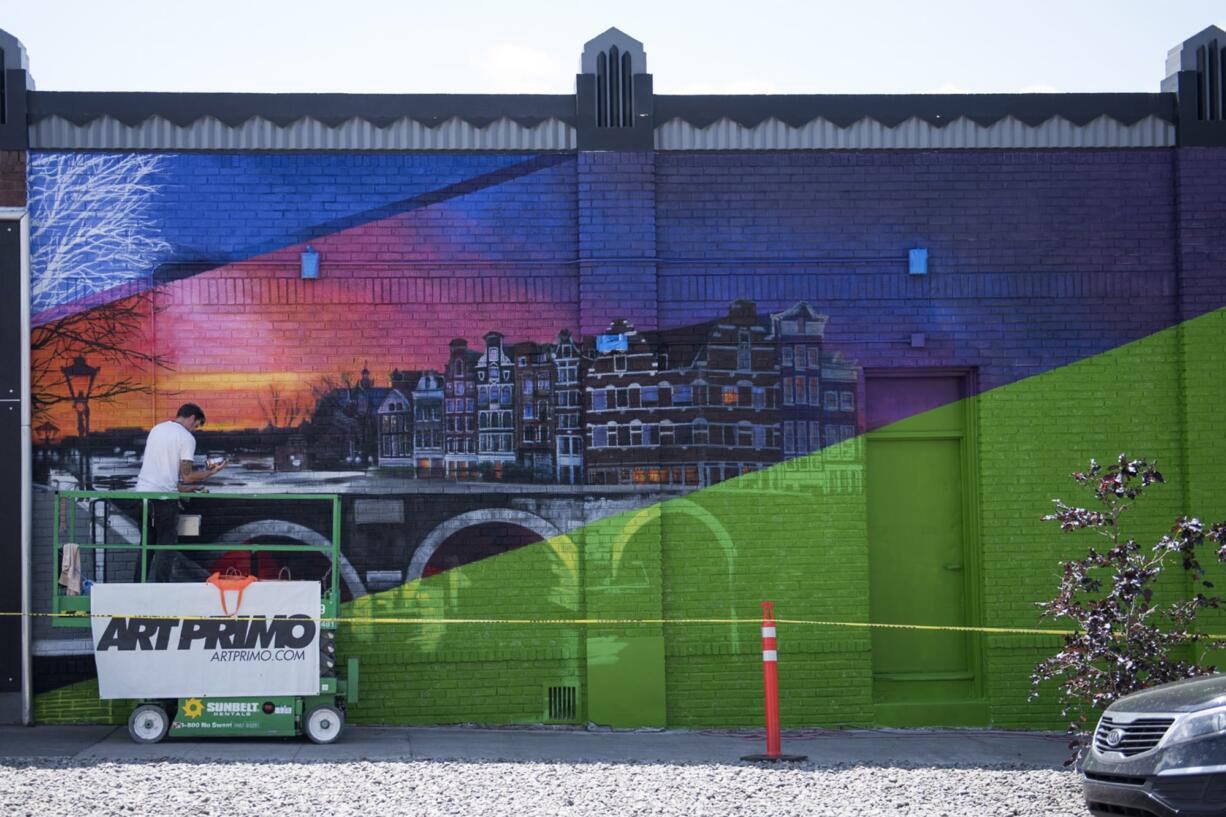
[48, 430]
[80, 379]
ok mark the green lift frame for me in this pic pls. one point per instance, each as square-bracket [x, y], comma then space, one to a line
[320, 717]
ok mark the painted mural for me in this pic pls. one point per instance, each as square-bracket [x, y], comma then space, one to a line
[528, 415]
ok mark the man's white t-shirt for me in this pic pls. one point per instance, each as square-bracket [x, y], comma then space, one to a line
[168, 445]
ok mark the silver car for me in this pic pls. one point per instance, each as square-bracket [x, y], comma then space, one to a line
[1161, 752]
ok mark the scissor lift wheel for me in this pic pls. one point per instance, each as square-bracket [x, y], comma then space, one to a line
[148, 723]
[323, 724]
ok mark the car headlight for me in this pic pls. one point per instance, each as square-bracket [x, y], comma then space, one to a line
[1196, 725]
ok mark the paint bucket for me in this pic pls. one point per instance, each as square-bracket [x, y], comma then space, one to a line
[189, 524]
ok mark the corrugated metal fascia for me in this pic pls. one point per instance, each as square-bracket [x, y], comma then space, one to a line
[156, 133]
[915, 133]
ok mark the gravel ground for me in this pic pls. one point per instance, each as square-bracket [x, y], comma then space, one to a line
[50, 788]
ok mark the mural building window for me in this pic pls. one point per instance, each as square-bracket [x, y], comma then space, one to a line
[789, 437]
[683, 394]
[701, 434]
[787, 391]
[847, 401]
[729, 393]
[787, 356]
[744, 435]
[814, 391]
[800, 390]
[832, 401]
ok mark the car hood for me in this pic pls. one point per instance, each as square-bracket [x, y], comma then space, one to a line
[1177, 696]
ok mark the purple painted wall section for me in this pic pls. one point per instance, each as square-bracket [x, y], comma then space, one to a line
[1037, 258]
[617, 239]
[1201, 228]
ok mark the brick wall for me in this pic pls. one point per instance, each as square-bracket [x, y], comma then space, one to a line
[12, 178]
[1058, 277]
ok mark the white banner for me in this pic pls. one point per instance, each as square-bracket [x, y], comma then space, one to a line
[269, 645]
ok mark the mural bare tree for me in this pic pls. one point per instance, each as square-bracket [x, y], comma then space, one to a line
[113, 333]
[279, 409]
[92, 224]
[93, 234]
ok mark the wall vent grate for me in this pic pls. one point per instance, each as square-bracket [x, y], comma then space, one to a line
[561, 704]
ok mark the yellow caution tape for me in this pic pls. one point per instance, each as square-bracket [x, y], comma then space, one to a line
[586, 622]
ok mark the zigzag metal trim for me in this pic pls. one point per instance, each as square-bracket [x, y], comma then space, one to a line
[915, 133]
[157, 133]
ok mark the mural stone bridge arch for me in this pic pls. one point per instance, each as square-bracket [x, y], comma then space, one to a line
[392, 539]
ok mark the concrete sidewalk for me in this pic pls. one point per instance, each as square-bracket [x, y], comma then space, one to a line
[962, 748]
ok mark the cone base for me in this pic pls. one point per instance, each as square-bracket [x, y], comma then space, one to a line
[775, 758]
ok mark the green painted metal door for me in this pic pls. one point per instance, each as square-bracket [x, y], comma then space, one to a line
[919, 572]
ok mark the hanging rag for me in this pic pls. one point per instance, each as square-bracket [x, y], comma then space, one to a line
[70, 568]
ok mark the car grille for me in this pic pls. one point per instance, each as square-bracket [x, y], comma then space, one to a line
[1139, 736]
[1116, 779]
[1112, 808]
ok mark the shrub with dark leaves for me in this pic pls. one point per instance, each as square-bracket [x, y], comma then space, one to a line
[1123, 639]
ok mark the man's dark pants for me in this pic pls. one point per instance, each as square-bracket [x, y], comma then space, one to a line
[164, 530]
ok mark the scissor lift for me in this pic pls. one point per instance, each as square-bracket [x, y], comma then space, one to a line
[320, 716]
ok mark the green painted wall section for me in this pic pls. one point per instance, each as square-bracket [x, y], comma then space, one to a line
[797, 535]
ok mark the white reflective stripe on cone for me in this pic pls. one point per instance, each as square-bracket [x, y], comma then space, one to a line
[768, 632]
[770, 655]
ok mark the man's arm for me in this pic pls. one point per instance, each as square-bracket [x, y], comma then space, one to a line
[188, 476]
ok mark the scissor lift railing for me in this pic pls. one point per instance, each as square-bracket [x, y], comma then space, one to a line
[73, 611]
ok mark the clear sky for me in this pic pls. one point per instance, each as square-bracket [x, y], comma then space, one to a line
[505, 46]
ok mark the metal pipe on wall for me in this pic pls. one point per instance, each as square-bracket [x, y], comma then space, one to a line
[21, 216]
[27, 486]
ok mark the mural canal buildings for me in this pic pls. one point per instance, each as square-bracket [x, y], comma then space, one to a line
[687, 407]
[634, 360]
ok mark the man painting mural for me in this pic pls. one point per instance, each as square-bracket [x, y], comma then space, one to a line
[167, 467]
